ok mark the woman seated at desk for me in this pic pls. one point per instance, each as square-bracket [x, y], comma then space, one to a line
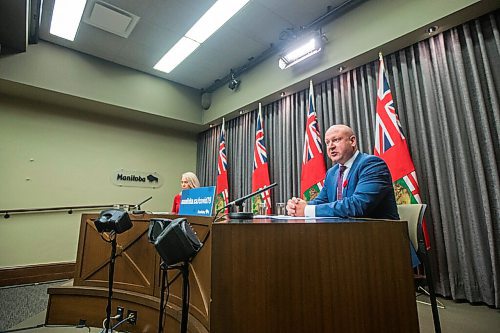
[188, 181]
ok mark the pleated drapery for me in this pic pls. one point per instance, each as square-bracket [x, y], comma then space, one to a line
[446, 91]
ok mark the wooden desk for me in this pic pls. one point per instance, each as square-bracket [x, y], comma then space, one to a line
[312, 277]
[288, 277]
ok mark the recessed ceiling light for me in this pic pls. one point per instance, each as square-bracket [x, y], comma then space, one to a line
[341, 69]
[283, 94]
[212, 20]
[180, 51]
[66, 18]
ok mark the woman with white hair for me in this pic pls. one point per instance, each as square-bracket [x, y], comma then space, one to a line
[188, 180]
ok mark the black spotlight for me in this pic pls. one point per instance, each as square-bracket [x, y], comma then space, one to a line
[116, 220]
[177, 242]
[156, 226]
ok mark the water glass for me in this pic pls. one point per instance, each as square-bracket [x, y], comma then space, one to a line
[280, 208]
[262, 208]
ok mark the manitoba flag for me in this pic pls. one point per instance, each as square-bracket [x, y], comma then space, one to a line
[222, 190]
[391, 146]
[260, 175]
[313, 161]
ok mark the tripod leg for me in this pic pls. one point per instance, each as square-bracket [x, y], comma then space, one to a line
[162, 300]
[185, 296]
[110, 283]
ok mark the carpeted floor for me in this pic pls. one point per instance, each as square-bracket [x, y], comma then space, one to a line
[24, 307]
[20, 302]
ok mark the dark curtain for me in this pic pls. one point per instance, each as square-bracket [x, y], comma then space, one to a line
[446, 91]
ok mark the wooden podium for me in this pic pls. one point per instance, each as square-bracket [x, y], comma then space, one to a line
[277, 276]
[312, 277]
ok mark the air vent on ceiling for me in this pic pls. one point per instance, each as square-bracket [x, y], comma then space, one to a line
[110, 18]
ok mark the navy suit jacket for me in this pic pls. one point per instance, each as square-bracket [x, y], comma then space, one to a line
[367, 191]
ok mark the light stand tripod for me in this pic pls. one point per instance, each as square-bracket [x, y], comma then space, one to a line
[185, 295]
[110, 279]
[177, 244]
[163, 268]
[114, 221]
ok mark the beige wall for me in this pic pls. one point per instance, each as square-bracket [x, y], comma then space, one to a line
[74, 156]
[55, 68]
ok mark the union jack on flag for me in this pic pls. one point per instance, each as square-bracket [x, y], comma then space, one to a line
[312, 140]
[222, 189]
[313, 162]
[391, 146]
[260, 175]
[388, 128]
[222, 160]
[259, 153]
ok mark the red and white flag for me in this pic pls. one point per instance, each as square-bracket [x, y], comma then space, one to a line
[313, 173]
[260, 175]
[222, 189]
[391, 146]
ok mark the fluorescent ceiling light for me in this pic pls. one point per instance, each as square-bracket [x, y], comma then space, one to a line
[66, 18]
[300, 53]
[209, 23]
[214, 18]
[181, 50]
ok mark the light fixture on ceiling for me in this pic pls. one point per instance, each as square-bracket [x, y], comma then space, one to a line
[66, 18]
[301, 49]
[432, 29]
[209, 23]
[233, 83]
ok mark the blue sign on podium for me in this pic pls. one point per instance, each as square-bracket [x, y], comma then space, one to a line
[197, 201]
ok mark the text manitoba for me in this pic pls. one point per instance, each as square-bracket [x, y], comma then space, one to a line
[131, 178]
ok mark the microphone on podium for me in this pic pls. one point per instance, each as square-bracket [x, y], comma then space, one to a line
[239, 201]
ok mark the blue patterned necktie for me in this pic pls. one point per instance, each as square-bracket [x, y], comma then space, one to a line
[340, 181]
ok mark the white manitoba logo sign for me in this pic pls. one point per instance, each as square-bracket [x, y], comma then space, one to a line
[123, 177]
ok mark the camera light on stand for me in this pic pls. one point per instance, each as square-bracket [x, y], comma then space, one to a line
[299, 53]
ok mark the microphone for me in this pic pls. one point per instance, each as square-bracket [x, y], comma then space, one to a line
[138, 207]
[238, 202]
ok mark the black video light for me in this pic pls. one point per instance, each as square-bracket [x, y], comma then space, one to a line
[116, 220]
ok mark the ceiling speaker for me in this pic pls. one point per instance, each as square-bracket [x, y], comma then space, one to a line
[206, 100]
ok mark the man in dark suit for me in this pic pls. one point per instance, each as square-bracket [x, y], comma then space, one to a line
[358, 185]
